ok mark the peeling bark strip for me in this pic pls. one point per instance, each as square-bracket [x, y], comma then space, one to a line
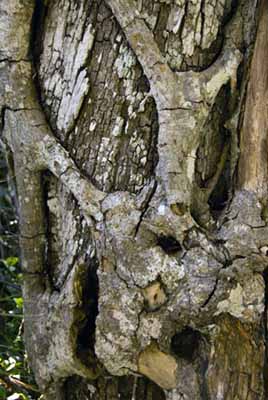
[253, 167]
[141, 257]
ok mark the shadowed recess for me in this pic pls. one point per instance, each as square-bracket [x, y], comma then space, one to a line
[86, 336]
[185, 344]
[169, 244]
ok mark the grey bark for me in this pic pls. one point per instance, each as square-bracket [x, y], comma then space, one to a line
[143, 227]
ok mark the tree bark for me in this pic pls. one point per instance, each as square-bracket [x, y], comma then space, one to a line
[138, 131]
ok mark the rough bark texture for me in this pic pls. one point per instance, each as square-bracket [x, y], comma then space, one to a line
[144, 236]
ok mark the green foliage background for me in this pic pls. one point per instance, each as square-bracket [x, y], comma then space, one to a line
[16, 379]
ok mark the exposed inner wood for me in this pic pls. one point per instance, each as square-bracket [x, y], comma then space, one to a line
[253, 164]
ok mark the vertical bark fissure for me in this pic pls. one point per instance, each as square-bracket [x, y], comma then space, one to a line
[86, 336]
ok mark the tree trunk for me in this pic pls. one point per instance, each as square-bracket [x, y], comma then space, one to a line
[138, 131]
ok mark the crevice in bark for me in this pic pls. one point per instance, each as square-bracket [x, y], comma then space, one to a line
[229, 15]
[186, 7]
[185, 344]
[35, 49]
[160, 26]
[169, 244]
[202, 364]
[218, 45]
[37, 29]
[146, 206]
[2, 120]
[220, 194]
[48, 262]
[14, 61]
[193, 347]
[204, 391]
[202, 14]
[211, 294]
[213, 168]
[86, 335]
[3, 114]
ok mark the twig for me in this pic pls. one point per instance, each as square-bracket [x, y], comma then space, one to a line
[10, 382]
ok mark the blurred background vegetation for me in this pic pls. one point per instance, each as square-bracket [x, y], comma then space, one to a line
[16, 379]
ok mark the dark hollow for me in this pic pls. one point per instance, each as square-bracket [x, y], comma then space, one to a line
[185, 344]
[169, 244]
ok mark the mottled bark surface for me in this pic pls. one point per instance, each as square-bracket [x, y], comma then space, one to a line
[139, 136]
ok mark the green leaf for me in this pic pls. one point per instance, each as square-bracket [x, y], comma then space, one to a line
[19, 302]
[3, 392]
[11, 261]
